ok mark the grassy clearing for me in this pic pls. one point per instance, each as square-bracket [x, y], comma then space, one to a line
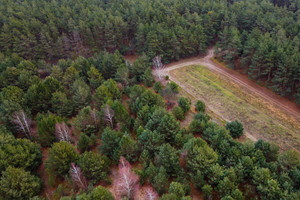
[231, 101]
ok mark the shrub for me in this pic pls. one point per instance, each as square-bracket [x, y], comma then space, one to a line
[173, 86]
[184, 103]
[235, 128]
[178, 113]
[158, 87]
[200, 106]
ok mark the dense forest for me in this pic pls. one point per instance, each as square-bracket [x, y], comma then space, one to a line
[259, 37]
[88, 115]
[77, 121]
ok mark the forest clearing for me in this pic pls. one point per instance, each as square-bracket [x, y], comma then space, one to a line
[264, 115]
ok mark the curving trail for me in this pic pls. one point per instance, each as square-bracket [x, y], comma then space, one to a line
[283, 104]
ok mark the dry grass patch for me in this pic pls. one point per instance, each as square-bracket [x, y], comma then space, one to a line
[232, 101]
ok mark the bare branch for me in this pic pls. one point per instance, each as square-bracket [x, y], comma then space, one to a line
[95, 117]
[126, 183]
[158, 67]
[108, 115]
[78, 177]
[62, 132]
[150, 194]
[147, 193]
[22, 123]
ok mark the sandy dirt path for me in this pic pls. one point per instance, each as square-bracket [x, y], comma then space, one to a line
[286, 106]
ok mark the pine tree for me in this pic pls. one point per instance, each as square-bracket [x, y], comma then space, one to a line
[152, 44]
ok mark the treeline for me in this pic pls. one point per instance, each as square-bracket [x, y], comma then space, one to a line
[90, 114]
[263, 40]
[292, 5]
[62, 29]
[261, 37]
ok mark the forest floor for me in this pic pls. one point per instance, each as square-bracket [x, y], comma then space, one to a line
[230, 95]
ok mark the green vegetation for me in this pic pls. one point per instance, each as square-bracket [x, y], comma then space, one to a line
[16, 183]
[200, 106]
[18, 153]
[94, 166]
[235, 128]
[61, 155]
[77, 121]
[256, 114]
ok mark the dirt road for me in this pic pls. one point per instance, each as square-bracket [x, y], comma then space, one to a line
[284, 105]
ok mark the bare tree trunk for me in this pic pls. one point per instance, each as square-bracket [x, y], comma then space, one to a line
[22, 123]
[158, 67]
[108, 115]
[78, 177]
[62, 132]
[150, 194]
[126, 183]
[95, 117]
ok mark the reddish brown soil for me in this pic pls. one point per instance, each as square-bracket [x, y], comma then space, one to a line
[47, 190]
[131, 58]
[196, 194]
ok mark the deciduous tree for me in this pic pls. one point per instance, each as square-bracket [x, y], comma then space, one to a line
[77, 177]
[108, 115]
[158, 67]
[62, 132]
[126, 182]
[23, 123]
[149, 193]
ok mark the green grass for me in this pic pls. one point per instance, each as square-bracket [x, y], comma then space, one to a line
[231, 101]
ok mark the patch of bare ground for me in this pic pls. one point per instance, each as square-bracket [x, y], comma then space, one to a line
[196, 194]
[47, 190]
[131, 58]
